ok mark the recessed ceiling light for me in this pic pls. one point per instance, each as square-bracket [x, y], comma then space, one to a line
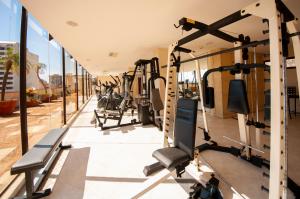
[72, 23]
[113, 54]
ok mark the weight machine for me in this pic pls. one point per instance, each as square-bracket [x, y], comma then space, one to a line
[278, 17]
[148, 100]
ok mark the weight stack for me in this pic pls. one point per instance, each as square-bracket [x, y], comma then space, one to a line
[144, 114]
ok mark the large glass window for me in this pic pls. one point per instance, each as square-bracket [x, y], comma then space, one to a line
[44, 83]
[80, 86]
[10, 133]
[71, 93]
[56, 84]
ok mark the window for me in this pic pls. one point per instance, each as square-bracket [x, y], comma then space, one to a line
[10, 132]
[80, 86]
[44, 83]
[71, 93]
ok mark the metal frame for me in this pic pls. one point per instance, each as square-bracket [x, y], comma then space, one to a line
[23, 106]
[278, 171]
[82, 82]
[243, 128]
[64, 84]
[266, 9]
[166, 136]
[76, 85]
[198, 76]
[291, 26]
[23, 63]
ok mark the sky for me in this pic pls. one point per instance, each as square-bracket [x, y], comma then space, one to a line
[37, 38]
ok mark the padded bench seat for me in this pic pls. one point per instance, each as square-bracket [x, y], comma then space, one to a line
[39, 154]
[171, 157]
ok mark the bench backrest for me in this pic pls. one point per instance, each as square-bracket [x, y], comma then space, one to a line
[185, 125]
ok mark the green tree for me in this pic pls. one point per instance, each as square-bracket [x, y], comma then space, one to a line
[11, 62]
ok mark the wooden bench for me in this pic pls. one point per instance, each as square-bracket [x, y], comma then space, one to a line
[37, 158]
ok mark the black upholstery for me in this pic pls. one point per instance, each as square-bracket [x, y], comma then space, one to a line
[156, 100]
[184, 141]
[237, 97]
[170, 157]
[40, 153]
[185, 125]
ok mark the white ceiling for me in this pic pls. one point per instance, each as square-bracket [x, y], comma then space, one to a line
[134, 28]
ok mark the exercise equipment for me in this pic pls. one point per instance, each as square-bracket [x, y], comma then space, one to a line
[148, 100]
[277, 17]
[124, 106]
[210, 191]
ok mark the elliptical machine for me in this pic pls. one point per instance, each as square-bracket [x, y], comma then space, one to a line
[111, 99]
[123, 107]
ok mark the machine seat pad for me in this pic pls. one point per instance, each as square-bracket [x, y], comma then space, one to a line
[171, 157]
[40, 153]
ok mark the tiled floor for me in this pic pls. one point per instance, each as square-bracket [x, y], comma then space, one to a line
[109, 164]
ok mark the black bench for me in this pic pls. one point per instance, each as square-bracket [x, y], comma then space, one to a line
[179, 156]
[37, 158]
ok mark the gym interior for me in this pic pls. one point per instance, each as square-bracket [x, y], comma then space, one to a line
[150, 99]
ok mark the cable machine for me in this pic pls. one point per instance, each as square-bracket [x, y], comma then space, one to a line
[148, 100]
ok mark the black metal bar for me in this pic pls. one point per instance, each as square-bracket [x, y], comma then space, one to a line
[181, 49]
[213, 27]
[23, 106]
[216, 33]
[287, 14]
[23, 63]
[238, 67]
[133, 76]
[64, 84]
[251, 44]
[86, 85]
[76, 85]
[82, 78]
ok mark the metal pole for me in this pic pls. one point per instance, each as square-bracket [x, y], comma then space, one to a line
[23, 64]
[198, 76]
[76, 85]
[64, 85]
[82, 79]
[257, 130]
[243, 129]
[23, 106]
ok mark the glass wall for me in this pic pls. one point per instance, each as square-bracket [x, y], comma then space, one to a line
[44, 83]
[10, 133]
[85, 85]
[90, 84]
[80, 86]
[71, 93]
[44, 86]
[56, 84]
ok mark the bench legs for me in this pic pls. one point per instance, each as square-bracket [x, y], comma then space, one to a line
[63, 147]
[30, 194]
